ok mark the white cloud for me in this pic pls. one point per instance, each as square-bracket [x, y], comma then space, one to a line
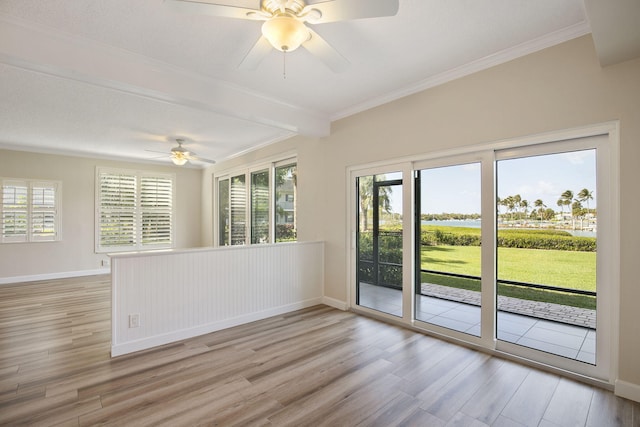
[577, 157]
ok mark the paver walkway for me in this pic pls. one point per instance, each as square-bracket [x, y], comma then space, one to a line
[542, 310]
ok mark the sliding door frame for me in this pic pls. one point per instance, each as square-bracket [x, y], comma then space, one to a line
[407, 237]
[608, 190]
[487, 319]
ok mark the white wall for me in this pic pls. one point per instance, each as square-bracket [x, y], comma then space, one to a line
[75, 254]
[562, 87]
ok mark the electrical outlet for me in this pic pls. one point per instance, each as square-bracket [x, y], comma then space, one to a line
[134, 320]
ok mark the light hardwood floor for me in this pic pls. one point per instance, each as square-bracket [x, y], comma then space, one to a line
[312, 367]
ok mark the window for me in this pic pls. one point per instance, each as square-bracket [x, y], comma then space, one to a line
[238, 210]
[260, 207]
[135, 210]
[30, 211]
[223, 212]
[257, 206]
[286, 187]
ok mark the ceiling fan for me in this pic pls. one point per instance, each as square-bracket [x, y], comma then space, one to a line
[180, 155]
[285, 22]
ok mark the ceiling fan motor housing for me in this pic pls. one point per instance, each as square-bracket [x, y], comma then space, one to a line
[294, 7]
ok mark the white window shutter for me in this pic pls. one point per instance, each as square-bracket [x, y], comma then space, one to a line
[135, 210]
[156, 207]
[117, 210]
[15, 211]
[44, 226]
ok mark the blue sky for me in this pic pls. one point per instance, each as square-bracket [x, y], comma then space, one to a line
[456, 189]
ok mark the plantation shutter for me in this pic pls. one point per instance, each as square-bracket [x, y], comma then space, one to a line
[135, 210]
[156, 205]
[238, 210]
[43, 212]
[117, 210]
[15, 211]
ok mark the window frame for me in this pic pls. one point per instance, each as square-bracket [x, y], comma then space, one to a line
[253, 202]
[284, 164]
[30, 209]
[270, 165]
[137, 211]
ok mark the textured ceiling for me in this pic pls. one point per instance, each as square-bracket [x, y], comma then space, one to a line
[119, 77]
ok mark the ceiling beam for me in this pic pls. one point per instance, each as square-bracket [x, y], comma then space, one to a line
[48, 51]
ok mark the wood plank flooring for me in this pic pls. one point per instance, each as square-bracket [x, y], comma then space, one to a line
[313, 367]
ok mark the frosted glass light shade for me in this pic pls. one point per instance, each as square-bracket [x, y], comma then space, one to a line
[179, 159]
[285, 32]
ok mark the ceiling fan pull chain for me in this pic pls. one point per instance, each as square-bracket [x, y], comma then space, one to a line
[284, 64]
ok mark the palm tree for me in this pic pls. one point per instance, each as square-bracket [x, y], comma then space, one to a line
[366, 197]
[584, 196]
[567, 198]
[539, 204]
[517, 199]
[560, 203]
[524, 204]
[510, 203]
[577, 211]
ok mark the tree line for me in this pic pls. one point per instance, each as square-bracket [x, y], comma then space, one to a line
[518, 208]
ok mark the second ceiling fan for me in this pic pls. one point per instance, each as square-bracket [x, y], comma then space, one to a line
[285, 22]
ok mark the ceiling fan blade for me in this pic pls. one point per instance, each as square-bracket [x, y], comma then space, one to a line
[255, 56]
[157, 157]
[159, 152]
[217, 9]
[342, 10]
[325, 52]
[200, 159]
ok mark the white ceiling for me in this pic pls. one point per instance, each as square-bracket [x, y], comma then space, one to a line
[116, 78]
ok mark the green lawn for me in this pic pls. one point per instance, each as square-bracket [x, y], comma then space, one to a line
[566, 269]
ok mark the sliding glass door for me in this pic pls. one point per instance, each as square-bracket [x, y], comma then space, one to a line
[547, 250]
[513, 249]
[448, 291]
[380, 243]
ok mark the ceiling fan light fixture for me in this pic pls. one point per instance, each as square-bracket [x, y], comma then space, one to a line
[285, 32]
[178, 158]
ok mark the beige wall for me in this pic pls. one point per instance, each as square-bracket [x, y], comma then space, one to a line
[76, 251]
[558, 88]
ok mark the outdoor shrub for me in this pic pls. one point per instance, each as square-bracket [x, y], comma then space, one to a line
[285, 232]
[557, 242]
[508, 238]
[453, 236]
[390, 252]
[390, 246]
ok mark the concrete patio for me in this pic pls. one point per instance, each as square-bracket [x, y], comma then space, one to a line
[527, 328]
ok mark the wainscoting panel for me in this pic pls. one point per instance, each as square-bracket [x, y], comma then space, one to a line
[184, 293]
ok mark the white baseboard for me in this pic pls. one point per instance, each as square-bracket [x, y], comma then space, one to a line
[627, 390]
[335, 303]
[150, 342]
[51, 276]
